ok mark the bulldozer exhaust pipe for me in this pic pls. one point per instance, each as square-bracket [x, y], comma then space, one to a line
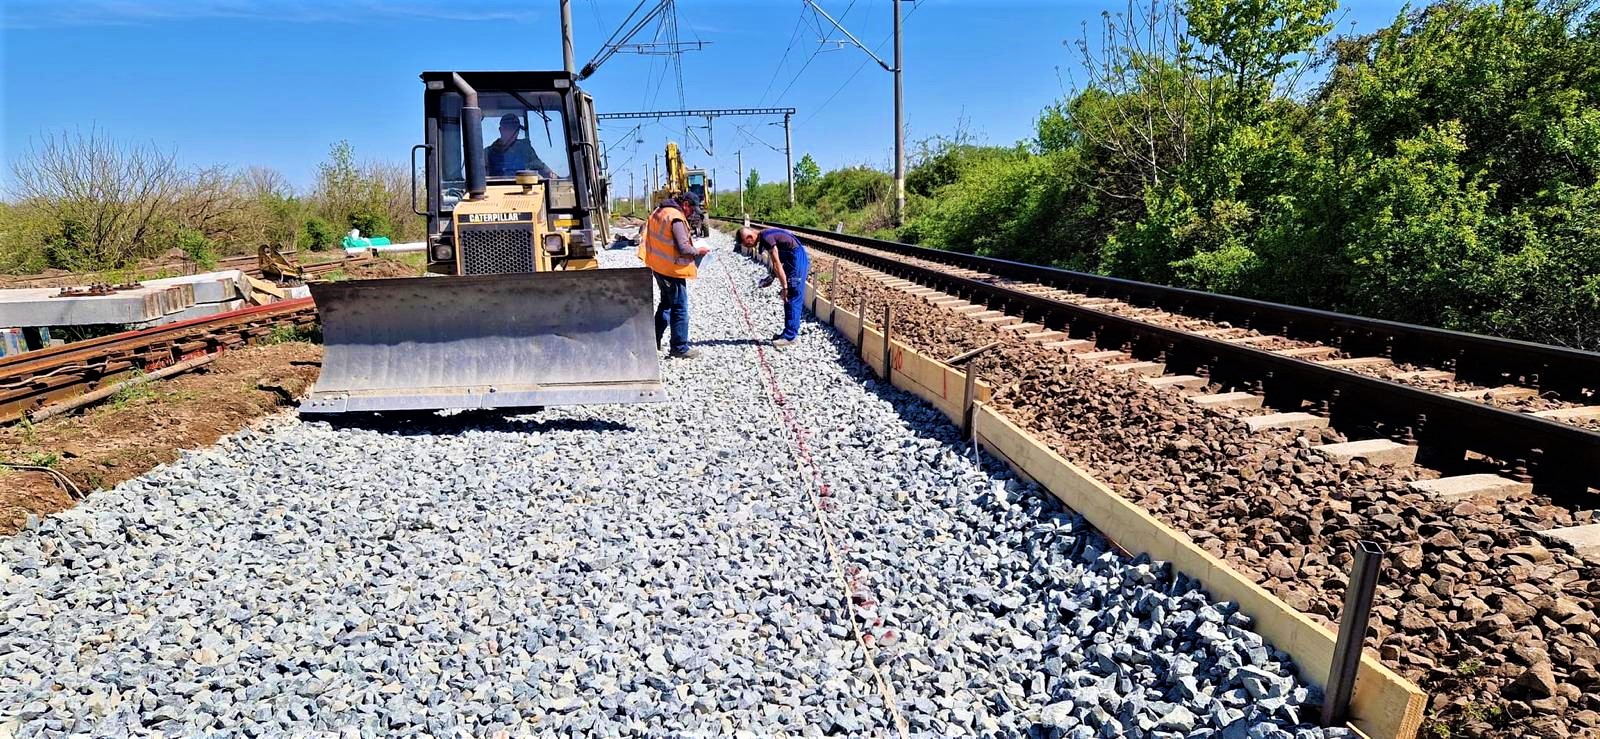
[472, 139]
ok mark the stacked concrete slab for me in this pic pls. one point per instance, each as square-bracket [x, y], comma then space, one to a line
[153, 303]
[27, 307]
[214, 292]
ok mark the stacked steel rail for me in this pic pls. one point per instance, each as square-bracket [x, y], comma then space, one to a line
[1446, 428]
[34, 379]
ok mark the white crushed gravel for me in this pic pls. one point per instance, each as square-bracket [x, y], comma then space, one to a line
[617, 571]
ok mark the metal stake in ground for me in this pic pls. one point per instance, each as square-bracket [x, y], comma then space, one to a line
[970, 398]
[1353, 619]
[969, 416]
[888, 321]
[861, 327]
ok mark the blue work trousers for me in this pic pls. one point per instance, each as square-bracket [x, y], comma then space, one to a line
[672, 310]
[793, 305]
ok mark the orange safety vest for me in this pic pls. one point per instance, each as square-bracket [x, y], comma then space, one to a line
[660, 251]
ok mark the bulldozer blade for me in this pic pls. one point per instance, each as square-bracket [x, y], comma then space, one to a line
[496, 341]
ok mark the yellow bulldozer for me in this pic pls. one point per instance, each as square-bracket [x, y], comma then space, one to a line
[516, 311]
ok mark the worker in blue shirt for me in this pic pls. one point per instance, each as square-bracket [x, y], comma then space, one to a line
[790, 263]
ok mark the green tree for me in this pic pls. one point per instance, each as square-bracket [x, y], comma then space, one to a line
[1252, 44]
[339, 188]
[806, 172]
[752, 181]
[372, 223]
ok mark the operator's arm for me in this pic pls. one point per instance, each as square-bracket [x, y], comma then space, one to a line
[536, 164]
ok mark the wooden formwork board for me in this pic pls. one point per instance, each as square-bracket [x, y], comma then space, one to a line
[1384, 706]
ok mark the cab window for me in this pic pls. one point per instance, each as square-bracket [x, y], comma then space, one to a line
[521, 130]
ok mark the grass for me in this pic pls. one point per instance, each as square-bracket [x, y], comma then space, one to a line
[337, 275]
[416, 260]
[290, 333]
[133, 393]
[30, 434]
[1471, 713]
[1470, 667]
[1480, 712]
[44, 459]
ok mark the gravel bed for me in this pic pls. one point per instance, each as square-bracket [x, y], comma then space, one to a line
[609, 571]
[1499, 628]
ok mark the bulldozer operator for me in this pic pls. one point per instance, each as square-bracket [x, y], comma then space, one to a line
[510, 154]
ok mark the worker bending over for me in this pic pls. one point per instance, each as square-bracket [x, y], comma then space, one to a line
[669, 252]
[790, 263]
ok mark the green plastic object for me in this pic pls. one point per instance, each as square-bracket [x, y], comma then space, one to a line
[362, 242]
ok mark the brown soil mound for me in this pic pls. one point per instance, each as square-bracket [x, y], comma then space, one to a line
[382, 267]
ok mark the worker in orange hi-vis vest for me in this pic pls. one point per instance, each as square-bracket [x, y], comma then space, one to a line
[669, 252]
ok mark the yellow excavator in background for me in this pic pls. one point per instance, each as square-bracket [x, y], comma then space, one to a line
[521, 315]
[680, 180]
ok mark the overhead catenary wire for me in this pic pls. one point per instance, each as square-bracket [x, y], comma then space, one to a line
[822, 42]
[751, 137]
[798, 22]
[863, 65]
[622, 35]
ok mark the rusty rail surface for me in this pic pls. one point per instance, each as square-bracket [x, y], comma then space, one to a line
[33, 379]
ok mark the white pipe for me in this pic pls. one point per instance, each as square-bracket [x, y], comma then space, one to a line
[389, 248]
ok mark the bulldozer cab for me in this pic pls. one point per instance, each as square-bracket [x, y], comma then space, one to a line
[526, 122]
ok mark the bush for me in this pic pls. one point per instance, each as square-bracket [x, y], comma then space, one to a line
[371, 224]
[23, 233]
[197, 248]
[317, 235]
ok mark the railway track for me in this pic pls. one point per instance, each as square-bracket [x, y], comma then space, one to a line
[35, 379]
[1461, 402]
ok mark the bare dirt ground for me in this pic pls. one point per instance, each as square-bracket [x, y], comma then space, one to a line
[386, 266]
[147, 426]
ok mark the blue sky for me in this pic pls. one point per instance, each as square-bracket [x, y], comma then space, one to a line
[275, 83]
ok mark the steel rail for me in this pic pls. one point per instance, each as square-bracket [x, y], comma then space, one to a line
[1554, 453]
[31, 379]
[1486, 360]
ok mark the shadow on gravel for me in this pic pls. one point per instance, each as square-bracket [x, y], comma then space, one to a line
[431, 423]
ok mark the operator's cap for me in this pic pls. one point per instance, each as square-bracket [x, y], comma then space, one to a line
[512, 119]
[689, 197]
